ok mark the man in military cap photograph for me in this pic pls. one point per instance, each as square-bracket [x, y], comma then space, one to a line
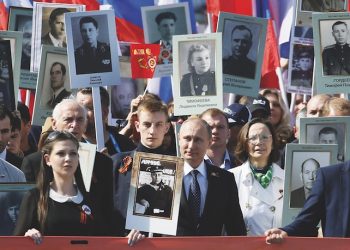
[302, 73]
[156, 197]
[92, 56]
[336, 57]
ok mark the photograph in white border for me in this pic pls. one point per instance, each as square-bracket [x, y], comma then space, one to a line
[160, 24]
[327, 130]
[305, 8]
[155, 193]
[332, 52]
[197, 72]
[243, 50]
[93, 49]
[20, 19]
[48, 27]
[53, 83]
[301, 164]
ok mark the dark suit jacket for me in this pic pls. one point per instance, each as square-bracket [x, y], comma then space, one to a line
[329, 201]
[221, 208]
[101, 190]
[14, 159]
[297, 197]
[63, 94]
[47, 40]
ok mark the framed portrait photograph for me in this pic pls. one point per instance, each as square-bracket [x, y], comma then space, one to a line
[8, 95]
[305, 8]
[11, 196]
[49, 28]
[20, 19]
[302, 163]
[327, 130]
[332, 52]
[93, 49]
[160, 24]
[15, 39]
[121, 97]
[155, 192]
[243, 39]
[197, 79]
[53, 83]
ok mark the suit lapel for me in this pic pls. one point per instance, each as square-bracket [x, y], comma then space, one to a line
[212, 192]
[345, 187]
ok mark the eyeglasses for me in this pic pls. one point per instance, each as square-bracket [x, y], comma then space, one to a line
[262, 138]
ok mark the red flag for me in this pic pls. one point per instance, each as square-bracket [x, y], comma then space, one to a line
[143, 59]
[269, 78]
[243, 7]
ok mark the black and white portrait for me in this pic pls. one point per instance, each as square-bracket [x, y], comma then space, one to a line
[197, 68]
[55, 86]
[161, 23]
[240, 48]
[302, 65]
[7, 96]
[121, 97]
[334, 37]
[24, 24]
[9, 209]
[323, 5]
[91, 44]
[154, 196]
[327, 134]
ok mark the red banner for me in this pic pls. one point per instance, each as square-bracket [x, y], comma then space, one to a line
[178, 243]
[143, 59]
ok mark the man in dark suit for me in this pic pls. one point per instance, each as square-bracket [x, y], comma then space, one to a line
[6, 121]
[308, 176]
[217, 154]
[209, 200]
[152, 124]
[69, 116]
[57, 78]
[57, 34]
[329, 202]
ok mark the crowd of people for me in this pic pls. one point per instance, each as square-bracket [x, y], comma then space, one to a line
[233, 172]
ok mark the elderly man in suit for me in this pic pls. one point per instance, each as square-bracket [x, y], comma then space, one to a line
[209, 200]
[328, 202]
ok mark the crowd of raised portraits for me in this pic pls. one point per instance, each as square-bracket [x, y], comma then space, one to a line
[234, 166]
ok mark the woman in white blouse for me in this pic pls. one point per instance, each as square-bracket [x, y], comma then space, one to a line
[259, 180]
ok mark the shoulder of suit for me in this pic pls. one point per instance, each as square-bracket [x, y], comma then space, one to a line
[188, 75]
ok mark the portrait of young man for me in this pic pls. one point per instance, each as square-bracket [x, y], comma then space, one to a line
[93, 55]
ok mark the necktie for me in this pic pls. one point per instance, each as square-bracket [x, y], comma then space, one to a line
[53, 100]
[194, 196]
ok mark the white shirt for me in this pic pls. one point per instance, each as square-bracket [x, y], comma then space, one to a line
[261, 207]
[202, 181]
[55, 42]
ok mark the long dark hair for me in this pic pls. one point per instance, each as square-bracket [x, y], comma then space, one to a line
[45, 176]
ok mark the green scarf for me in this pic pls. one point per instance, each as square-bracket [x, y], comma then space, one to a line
[263, 179]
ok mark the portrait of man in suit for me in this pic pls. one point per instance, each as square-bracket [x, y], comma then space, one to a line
[308, 177]
[57, 78]
[57, 34]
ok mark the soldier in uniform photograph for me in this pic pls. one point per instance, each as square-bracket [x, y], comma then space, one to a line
[201, 80]
[93, 56]
[303, 72]
[155, 197]
[336, 57]
[238, 64]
